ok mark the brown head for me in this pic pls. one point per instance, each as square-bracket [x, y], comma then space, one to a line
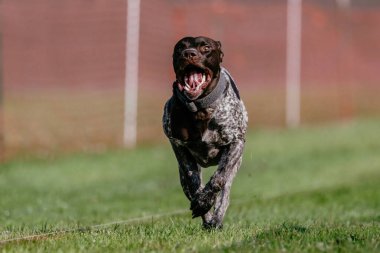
[196, 62]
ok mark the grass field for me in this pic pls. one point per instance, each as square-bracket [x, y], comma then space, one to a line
[316, 189]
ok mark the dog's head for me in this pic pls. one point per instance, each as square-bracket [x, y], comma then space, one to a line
[196, 62]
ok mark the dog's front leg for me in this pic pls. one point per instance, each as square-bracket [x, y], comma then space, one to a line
[189, 171]
[190, 176]
[191, 179]
[220, 183]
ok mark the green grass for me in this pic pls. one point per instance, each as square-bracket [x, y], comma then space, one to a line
[315, 189]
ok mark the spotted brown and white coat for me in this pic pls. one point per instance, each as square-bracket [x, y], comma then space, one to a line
[219, 142]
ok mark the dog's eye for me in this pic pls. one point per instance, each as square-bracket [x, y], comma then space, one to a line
[206, 48]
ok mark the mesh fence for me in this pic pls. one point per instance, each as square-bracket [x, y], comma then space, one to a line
[63, 65]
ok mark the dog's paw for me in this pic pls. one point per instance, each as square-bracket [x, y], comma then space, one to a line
[212, 225]
[202, 203]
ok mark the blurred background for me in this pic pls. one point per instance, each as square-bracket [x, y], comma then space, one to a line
[62, 72]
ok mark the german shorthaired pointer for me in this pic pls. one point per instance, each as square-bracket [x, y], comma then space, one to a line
[205, 121]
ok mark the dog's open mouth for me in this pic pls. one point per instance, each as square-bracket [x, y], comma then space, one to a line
[195, 80]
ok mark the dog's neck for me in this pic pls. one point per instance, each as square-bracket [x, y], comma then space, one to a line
[211, 94]
[214, 82]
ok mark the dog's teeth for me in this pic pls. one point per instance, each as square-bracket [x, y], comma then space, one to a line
[191, 79]
[187, 88]
[203, 81]
[186, 82]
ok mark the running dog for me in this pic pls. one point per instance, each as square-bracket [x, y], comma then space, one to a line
[205, 121]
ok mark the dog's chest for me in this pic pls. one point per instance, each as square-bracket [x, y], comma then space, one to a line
[201, 135]
[207, 132]
[189, 127]
[211, 126]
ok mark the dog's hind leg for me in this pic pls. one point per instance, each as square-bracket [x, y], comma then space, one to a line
[222, 180]
[223, 198]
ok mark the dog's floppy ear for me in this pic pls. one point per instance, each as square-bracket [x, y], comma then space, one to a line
[220, 50]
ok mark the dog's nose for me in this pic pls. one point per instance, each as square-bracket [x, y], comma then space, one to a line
[189, 53]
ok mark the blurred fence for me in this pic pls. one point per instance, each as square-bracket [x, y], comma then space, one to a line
[63, 65]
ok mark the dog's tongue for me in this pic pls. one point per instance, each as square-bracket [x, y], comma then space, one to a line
[194, 79]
